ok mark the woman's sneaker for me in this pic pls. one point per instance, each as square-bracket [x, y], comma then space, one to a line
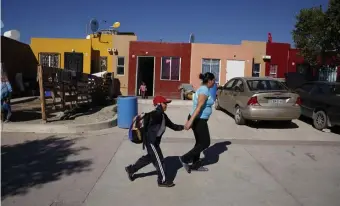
[185, 165]
[198, 167]
[166, 184]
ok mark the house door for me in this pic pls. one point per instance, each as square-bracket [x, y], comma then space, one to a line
[145, 73]
[235, 68]
[73, 61]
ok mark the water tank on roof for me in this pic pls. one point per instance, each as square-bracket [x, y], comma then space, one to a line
[13, 34]
[88, 37]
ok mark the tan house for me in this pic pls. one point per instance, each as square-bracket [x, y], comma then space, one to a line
[259, 51]
[225, 61]
[113, 53]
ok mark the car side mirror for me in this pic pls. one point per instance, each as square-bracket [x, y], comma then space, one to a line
[220, 87]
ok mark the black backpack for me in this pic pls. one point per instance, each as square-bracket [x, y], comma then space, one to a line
[138, 128]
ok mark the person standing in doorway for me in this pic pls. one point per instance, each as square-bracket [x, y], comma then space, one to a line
[142, 90]
[198, 121]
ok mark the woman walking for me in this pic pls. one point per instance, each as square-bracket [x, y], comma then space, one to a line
[198, 121]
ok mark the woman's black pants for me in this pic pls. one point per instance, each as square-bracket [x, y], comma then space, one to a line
[202, 136]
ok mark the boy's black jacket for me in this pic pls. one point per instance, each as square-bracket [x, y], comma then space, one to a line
[155, 123]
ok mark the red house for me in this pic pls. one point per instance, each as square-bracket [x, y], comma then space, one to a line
[163, 67]
[281, 59]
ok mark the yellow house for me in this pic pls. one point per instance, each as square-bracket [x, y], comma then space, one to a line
[63, 53]
[104, 51]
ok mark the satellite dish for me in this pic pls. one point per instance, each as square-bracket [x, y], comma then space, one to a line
[191, 38]
[116, 25]
[13, 34]
[94, 25]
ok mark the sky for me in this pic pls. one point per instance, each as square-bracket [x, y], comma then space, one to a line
[214, 21]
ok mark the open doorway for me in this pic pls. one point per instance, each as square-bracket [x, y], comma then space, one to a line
[145, 73]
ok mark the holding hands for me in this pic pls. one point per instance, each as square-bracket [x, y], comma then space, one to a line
[187, 125]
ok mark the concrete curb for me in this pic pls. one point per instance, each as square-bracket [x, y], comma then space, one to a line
[22, 100]
[58, 128]
[174, 102]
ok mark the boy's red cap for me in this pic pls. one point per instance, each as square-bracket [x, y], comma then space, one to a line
[160, 99]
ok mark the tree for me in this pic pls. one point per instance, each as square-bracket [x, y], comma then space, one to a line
[333, 26]
[309, 34]
[317, 33]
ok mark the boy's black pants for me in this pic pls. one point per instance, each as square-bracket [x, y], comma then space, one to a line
[154, 156]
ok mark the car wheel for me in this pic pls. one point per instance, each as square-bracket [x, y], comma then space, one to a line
[217, 105]
[238, 116]
[320, 120]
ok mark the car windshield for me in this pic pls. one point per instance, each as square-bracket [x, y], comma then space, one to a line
[267, 85]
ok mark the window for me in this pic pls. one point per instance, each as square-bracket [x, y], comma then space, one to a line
[326, 89]
[103, 64]
[256, 70]
[273, 71]
[170, 68]
[307, 87]
[230, 84]
[256, 85]
[301, 68]
[239, 84]
[213, 66]
[49, 59]
[120, 65]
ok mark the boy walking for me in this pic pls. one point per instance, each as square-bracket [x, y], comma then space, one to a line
[155, 130]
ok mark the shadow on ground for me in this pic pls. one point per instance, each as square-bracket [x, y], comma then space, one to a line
[172, 163]
[31, 110]
[267, 124]
[34, 163]
[28, 115]
[335, 130]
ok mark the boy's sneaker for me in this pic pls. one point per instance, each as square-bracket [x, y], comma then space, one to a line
[185, 165]
[129, 173]
[166, 184]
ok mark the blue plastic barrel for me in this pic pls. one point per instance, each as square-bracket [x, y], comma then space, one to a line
[213, 91]
[127, 109]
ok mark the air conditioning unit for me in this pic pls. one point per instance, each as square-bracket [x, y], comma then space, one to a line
[266, 57]
[109, 50]
[114, 50]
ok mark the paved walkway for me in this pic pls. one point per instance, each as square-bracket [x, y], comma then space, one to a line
[242, 175]
[222, 126]
[88, 169]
